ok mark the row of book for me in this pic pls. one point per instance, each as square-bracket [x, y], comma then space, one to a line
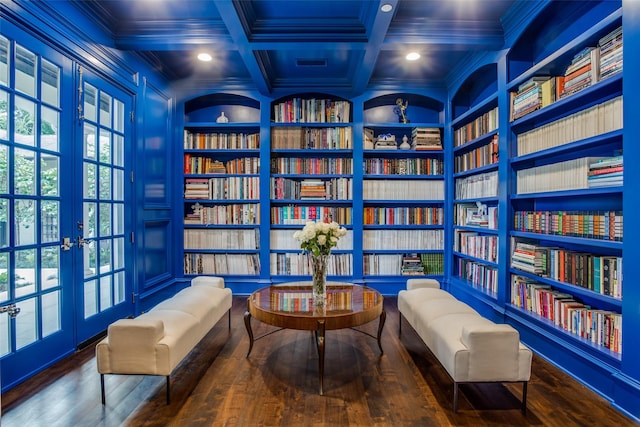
[299, 138]
[298, 165]
[282, 239]
[227, 188]
[312, 110]
[606, 172]
[476, 215]
[221, 141]
[231, 214]
[568, 175]
[478, 274]
[208, 165]
[222, 264]
[587, 67]
[409, 166]
[476, 186]
[487, 122]
[403, 215]
[426, 138]
[403, 239]
[222, 238]
[311, 189]
[604, 225]
[596, 120]
[286, 215]
[599, 273]
[398, 189]
[476, 245]
[601, 327]
[481, 156]
[300, 301]
[297, 264]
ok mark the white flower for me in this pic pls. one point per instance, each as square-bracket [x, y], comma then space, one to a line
[322, 239]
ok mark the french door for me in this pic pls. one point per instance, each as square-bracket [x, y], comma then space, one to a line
[64, 258]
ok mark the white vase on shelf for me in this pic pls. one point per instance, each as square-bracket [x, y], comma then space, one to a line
[222, 118]
[405, 143]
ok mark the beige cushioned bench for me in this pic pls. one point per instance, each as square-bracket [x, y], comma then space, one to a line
[155, 342]
[470, 347]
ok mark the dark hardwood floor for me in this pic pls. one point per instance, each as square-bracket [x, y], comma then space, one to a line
[277, 385]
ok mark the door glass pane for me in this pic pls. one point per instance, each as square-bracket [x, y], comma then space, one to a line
[50, 224]
[50, 83]
[118, 150]
[105, 110]
[26, 328]
[4, 169]
[24, 121]
[118, 184]
[105, 146]
[4, 61]
[50, 313]
[118, 218]
[49, 170]
[25, 277]
[89, 221]
[118, 116]
[4, 115]
[118, 287]
[105, 219]
[89, 142]
[90, 188]
[118, 253]
[4, 223]
[49, 129]
[105, 182]
[5, 334]
[90, 300]
[50, 267]
[24, 172]
[90, 101]
[25, 226]
[4, 276]
[105, 256]
[26, 64]
[105, 292]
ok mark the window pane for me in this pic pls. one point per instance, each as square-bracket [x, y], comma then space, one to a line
[105, 219]
[90, 181]
[25, 226]
[4, 276]
[26, 329]
[105, 292]
[90, 299]
[105, 182]
[118, 116]
[105, 256]
[4, 168]
[118, 218]
[50, 83]
[49, 218]
[118, 184]
[118, 150]
[4, 61]
[26, 64]
[118, 287]
[49, 138]
[24, 172]
[25, 282]
[49, 170]
[4, 224]
[118, 253]
[24, 121]
[50, 313]
[4, 115]
[90, 101]
[105, 146]
[49, 267]
[5, 334]
[105, 110]
[89, 150]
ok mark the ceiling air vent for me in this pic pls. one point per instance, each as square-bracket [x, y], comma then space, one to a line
[322, 62]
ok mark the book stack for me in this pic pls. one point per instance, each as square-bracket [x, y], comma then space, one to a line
[611, 53]
[530, 258]
[582, 72]
[312, 189]
[196, 188]
[386, 142]
[606, 172]
[412, 265]
[528, 97]
[426, 139]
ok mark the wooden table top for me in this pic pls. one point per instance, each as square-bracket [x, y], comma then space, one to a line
[289, 305]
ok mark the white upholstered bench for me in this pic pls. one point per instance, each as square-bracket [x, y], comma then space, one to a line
[470, 347]
[155, 342]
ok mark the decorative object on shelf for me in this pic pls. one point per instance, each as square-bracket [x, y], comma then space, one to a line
[405, 143]
[386, 141]
[400, 110]
[317, 239]
[222, 118]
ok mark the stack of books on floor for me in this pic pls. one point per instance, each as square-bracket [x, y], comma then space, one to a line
[606, 172]
[611, 53]
[583, 71]
[426, 139]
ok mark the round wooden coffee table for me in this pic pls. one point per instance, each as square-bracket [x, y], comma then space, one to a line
[289, 306]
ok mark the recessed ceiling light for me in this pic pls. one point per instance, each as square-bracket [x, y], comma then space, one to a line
[386, 7]
[413, 56]
[205, 57]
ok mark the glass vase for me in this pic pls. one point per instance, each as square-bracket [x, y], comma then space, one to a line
[319, 279]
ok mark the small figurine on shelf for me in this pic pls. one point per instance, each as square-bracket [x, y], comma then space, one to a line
[400, 110]
[222, 118]
[405, 143]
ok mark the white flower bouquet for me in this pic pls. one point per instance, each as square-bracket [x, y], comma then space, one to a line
[318, 238]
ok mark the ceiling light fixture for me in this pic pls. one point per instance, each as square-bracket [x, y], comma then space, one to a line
[204, 57]
[413, 56]
[386, 7]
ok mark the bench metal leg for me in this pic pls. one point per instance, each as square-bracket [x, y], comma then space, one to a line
[524, 397]
[102, 388]
[168, 389]
[455, 397]
[229, 313]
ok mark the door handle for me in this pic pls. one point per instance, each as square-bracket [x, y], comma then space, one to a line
[10, 309]
[82, 241]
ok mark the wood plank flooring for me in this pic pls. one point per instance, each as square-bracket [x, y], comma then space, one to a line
[278, 386]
